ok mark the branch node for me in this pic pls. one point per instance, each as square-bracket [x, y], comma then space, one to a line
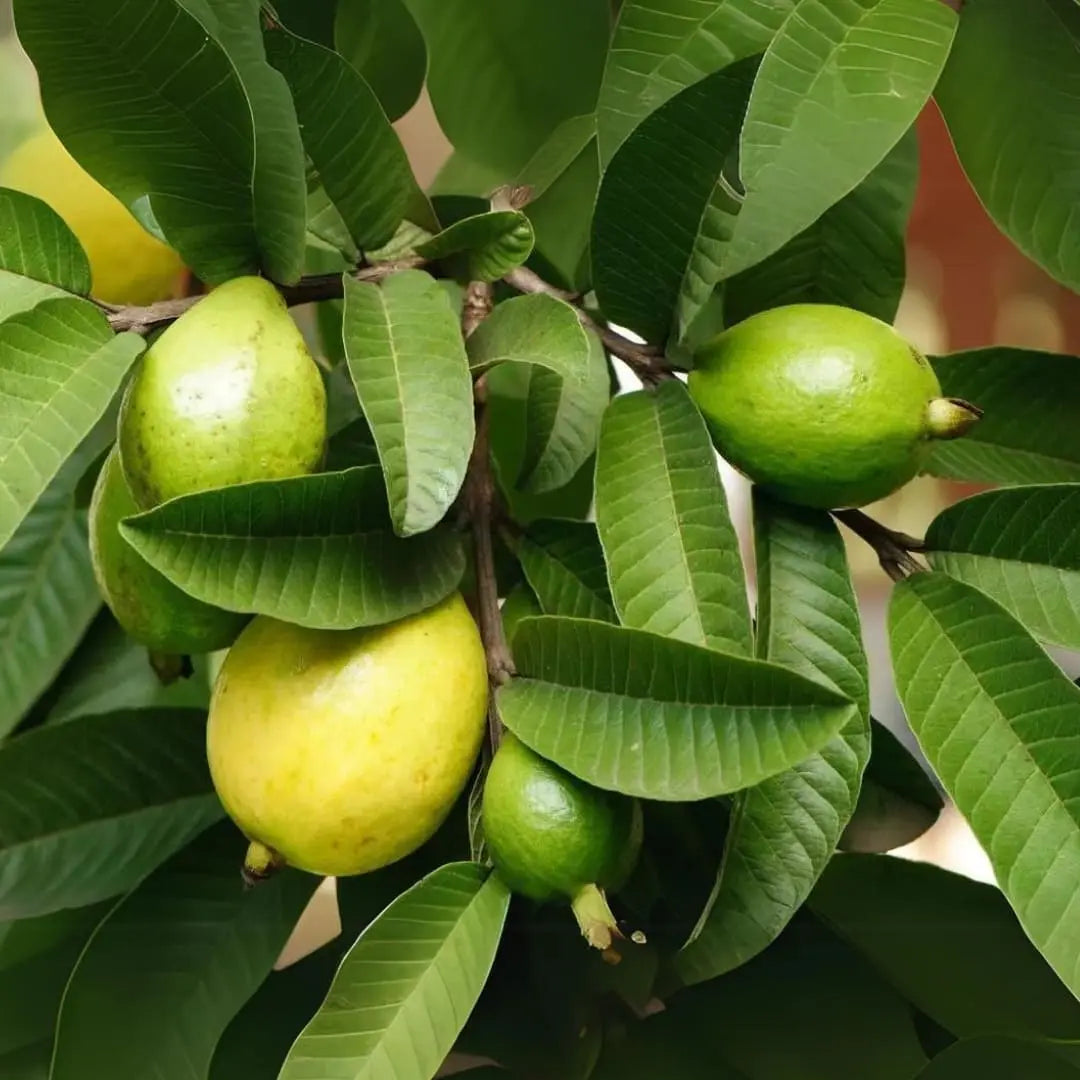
[894, 549]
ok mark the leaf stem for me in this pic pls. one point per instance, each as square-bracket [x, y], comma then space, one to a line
[893, 548]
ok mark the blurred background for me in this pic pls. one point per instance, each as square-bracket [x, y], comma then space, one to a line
[967, 287]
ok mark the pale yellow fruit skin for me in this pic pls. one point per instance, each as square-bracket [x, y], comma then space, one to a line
[128, 265]
[345, 750]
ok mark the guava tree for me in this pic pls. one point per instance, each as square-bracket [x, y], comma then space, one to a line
[447, 545]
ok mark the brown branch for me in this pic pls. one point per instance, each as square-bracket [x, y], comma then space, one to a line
[309, 290]
[479, 503]
[893, 548]
[645, 361]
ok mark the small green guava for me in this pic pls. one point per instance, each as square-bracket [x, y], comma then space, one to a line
[821, 405]
[552, 836]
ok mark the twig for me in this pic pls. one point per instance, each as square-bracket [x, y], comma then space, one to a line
[645, 361]
[479, 502]
[142, 320]
[893, 548]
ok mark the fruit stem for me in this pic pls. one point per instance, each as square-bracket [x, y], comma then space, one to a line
[169, 667]
[893, 548]
[949, 418]
[260, 862]
[598, 925]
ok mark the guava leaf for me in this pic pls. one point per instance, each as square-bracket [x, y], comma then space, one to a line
[408, 364]
[662, 46]
[853, 255]
[997, 720]
[503, 56]
[359, 158]
[382, 41]
[997, 1057]
[173, 963]
[60, 366]
[651, 716]
[1020, 155]
[19, 294]
[839, 84]
[784, 831]
[535, 329]
[674, 179]
[672, 553]
[312, 550]
[403, 998]
[488, 245]
[87, 809]
[950, 945]
[897, 803]
[151, 106]
[564, 565]
[1028, 432]
[36, 243]
[1021, 546]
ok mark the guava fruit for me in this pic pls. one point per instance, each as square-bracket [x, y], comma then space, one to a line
[150, 608]
[127, 264]
[821, 405]
[552, 836]
[341, 751]
[228, 394]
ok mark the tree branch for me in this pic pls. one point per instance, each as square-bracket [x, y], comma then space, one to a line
[645, 361]
[893, 548]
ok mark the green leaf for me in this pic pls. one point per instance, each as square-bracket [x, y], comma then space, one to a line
[1019, 156]
[655, 717]
[564, 565]
[359, 158]
[853, 255]
[60, 366]
[19, 294]
[504, 56]
[663, 46]
[490, 245]
[278, 186]
[785, 830]
[809, 1008]
[313, 550]
[35, 243]
[87, 809]
[381, 40]
[151, 106]
[1021, 546]
[1028, 433]
[312, 21]
[36, 959]
[950, 945]
[997, 1057]
[840, 82]
[175, 961]
[402, 995]
[109, 672]
[47, 598]
[898, 802]
[672, 554]
[673, 178]
[535, 329]
[408, 363]
[560, 150]
[997, 719]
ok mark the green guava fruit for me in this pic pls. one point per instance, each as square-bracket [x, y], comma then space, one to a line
[341, 751]
[822, 405]
[228, 394]
[150, 608]
[552, 836]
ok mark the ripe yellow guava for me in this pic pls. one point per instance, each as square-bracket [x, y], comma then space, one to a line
[339, 752]
[822, 405]
[228, 394]
[128, 265]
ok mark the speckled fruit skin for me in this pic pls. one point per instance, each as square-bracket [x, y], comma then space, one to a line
[228, 394]
[820, 405]
[344, 751]
[127, 264]
[146, 604]
[549, 833]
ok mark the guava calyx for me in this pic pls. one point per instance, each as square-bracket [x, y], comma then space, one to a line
[950, 418]
[260, 863]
